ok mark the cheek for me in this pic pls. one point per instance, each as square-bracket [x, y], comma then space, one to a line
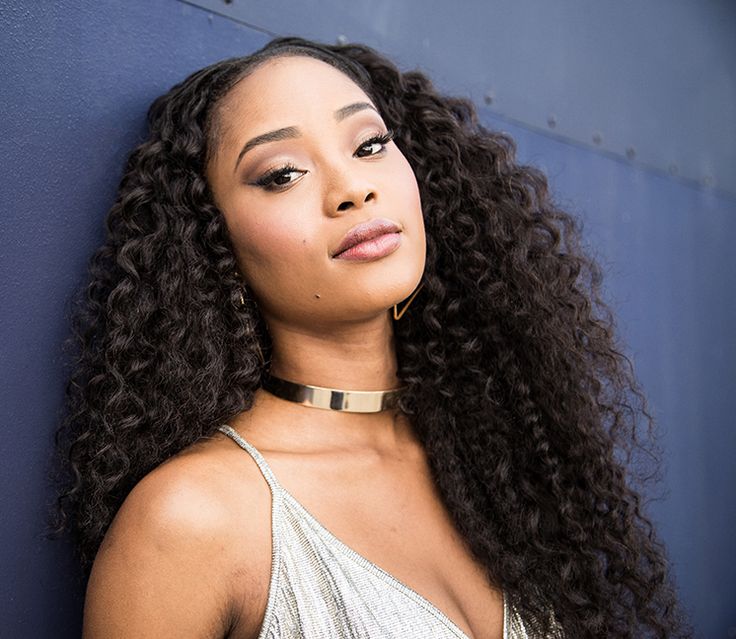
[264, 244]
[407, 183]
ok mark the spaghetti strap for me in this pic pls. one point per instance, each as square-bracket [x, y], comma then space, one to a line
[257, 457]
[277, 526]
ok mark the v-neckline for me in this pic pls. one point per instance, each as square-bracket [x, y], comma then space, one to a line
[385, 574]
[276, 486]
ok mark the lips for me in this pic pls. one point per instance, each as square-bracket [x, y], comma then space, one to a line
[366, 231]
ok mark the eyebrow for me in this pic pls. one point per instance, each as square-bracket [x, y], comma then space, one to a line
[348, 110]
[288, 132]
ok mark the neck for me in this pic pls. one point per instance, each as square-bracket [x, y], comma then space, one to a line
[273, 423]
[353, 357]
[358, 357]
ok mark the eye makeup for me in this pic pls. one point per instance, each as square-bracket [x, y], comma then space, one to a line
[272, 180]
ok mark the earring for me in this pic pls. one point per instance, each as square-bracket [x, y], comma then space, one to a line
[256, 341]
[397, 313]
[240, 291]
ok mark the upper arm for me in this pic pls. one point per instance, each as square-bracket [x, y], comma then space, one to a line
[162, 568]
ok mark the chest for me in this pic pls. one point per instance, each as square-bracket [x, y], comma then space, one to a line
[415, 542]
[390, 513]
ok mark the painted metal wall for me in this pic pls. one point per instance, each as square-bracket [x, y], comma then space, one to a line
[76, 79]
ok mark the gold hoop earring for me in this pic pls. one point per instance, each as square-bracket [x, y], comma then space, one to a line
[398, 314]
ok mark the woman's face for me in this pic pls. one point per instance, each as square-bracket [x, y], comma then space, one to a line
[290, 198]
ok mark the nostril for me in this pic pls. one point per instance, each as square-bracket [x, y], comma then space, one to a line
[370, 196]
[344, 206]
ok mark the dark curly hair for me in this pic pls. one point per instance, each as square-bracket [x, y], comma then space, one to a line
[530, 414]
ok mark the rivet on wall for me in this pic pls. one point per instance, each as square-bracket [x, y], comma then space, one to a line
[488, 98]
[597, 138]
[551, 121]
[630, 152]
[342, 39]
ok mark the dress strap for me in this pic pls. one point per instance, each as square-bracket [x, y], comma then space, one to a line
[253, 452]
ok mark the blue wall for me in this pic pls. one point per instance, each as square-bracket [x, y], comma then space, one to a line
[76, 81]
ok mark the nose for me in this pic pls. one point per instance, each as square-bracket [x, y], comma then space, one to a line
[348, 204]
[350, 190]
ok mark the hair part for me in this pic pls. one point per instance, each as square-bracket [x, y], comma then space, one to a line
[284, 47]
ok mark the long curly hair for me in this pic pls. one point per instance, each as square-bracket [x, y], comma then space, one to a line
[528, 410]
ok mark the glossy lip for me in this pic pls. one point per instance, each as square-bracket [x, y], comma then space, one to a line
[366, 231]
[373, 249]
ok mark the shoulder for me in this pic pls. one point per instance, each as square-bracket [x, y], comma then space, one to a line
[187, 554]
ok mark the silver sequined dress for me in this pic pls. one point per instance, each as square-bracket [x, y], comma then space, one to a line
[322, 589]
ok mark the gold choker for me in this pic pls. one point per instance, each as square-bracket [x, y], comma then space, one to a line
[350, 401]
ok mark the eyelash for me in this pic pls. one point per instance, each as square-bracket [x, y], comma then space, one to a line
[267, 181]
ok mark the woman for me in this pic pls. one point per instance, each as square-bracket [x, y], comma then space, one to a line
[309, 216]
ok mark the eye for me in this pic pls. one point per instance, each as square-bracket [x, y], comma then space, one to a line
[375, 145]
[279, 178]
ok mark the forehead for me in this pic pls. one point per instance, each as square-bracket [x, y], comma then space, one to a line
[284, 90]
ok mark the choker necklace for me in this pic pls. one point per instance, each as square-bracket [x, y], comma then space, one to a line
[350, 401]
